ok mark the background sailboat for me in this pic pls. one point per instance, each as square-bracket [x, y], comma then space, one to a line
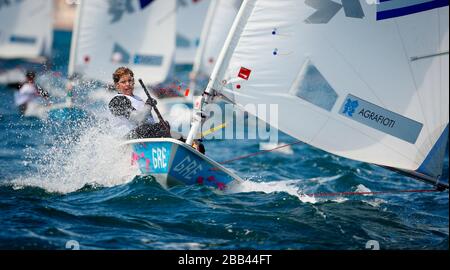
[190, 18]
[26, 29]
[220, 17]
[138, 34]
[362, 81]
[174, 94]
[26, 35]
[79, 186]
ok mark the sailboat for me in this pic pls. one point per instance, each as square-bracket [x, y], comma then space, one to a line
[26, 36]
[363, 81]
[138, 34]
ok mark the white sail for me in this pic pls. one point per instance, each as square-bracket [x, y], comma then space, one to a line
[136, 34]
[220, 17]
[26, 29]
[190, 18]
[364, 81]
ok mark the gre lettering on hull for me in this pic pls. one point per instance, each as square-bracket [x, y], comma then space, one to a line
[188, 168]
[381, 119]
[160, 158]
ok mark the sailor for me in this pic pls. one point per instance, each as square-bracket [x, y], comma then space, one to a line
[28, 92]
[131, 116]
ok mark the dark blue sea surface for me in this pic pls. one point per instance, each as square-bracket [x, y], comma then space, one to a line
[65, 185]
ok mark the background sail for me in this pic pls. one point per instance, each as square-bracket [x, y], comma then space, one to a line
[137, 34]
[190, 18]
[347, 79]
[26, 29]
[220, 17]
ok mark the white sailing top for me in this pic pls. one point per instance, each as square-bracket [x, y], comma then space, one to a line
[141, 115]
[27, 93]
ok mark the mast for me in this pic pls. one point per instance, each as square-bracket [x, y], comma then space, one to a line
[220, 67]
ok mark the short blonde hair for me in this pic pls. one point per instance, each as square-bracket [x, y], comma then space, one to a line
[121, 72]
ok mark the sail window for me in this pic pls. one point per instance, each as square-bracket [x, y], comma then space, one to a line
[312, 87]
[182, 42]
[120, 55]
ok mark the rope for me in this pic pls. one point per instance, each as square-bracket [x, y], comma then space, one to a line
[258, 153]
[335, 194]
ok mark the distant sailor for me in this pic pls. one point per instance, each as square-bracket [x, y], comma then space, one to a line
[132, 116]
[28, 92]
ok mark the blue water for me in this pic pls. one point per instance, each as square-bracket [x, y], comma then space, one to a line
[63, 183]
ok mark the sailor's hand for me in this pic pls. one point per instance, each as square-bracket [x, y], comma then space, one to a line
[151, 102]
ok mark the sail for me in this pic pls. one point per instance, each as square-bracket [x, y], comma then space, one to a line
[190, 18]
[136, 34]
[220, 17]
[364, 81]
[26, 29]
